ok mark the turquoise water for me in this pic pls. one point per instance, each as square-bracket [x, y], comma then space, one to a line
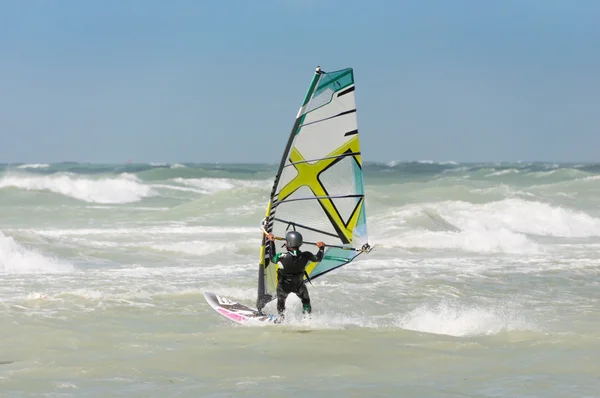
[483, 283]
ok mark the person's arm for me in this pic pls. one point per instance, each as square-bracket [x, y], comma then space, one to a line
[319, 256]
[271, 250]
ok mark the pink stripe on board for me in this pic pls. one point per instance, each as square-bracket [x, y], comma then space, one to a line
[231, 315]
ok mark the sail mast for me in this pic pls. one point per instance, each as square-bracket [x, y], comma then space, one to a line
[263, 296]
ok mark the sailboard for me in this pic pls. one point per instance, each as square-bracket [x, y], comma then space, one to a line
[235, 311]
[318, 189]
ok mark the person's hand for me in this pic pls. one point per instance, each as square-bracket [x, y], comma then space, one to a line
[270, 237]
[320, 245]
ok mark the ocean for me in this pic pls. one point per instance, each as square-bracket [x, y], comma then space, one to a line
[483, 282]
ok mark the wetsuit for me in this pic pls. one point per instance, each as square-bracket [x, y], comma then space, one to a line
[291, 275]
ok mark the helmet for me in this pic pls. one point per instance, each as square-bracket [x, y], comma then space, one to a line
[293, 239]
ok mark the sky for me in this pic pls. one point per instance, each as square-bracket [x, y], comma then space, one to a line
[222, 80]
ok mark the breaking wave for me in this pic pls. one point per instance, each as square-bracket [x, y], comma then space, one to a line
[18, 259]
[122, 189]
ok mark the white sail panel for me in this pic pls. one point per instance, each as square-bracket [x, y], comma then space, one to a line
[321, 139]
[335, 106]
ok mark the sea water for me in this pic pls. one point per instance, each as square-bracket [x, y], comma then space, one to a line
[483, 283]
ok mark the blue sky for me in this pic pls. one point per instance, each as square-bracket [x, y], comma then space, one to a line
[221, 81]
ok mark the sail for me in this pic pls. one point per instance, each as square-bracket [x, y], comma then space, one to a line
[318, 190]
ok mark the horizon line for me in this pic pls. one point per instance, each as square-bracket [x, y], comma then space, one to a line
[421, 161]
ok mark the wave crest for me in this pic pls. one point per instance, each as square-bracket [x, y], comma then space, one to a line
[460, 320]
[125, 188]
[213, 185]
[17, 259]
[505, 226]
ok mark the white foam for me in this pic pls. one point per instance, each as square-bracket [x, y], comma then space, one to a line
[394, 163]
[65, 385]
[89, 294]
[34, 166]
[196, 247]
[133, 208]
[18, 259]
[294, 319]
[481, 241]
[178, 188]
[590, 178]
[123, 189]
[500, 226]
[246, 209]
[163, 230]
[212, 185]
[37, 296]
[463, 320]
[522, 216]
[502, 172]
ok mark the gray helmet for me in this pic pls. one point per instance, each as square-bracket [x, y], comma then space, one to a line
[293, 239]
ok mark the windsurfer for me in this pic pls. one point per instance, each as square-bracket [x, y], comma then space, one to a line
[290, 275]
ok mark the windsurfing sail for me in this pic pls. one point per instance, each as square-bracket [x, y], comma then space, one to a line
[318, 189]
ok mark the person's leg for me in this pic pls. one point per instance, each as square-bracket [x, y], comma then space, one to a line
[305, 298]
[281, 297]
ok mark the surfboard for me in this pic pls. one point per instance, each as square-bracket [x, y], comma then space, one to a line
[235, 311]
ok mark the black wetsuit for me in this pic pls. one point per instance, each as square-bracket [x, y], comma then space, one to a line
[291, 275]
